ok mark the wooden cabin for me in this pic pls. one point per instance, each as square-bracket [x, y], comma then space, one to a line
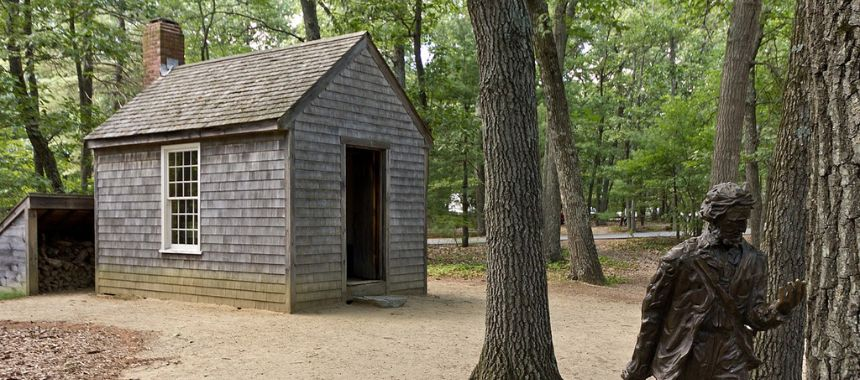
[277, 179]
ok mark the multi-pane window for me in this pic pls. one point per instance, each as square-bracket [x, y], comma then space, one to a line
[182, 201]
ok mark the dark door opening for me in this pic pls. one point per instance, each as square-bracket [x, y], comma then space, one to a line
[363, 214]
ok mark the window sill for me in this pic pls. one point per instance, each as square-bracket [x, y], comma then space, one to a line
[180, 251]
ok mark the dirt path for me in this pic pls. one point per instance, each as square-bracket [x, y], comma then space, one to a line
[438, 336]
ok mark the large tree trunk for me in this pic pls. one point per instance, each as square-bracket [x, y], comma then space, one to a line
[751, 141]
[416, 49]
[833, 324]
[518, 337]
[40, 143]
[743, 30]
[312, 24]
[551, 195]
[784, 238]
[26, 90]
[584, 265]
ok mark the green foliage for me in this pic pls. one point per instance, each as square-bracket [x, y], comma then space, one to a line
[643, 122]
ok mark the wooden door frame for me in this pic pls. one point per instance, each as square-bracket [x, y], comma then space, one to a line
[382, 148]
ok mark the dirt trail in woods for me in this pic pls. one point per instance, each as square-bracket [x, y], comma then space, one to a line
[434, 337]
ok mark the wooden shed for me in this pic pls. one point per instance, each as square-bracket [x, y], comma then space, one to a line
[277, 179]
[51, 234]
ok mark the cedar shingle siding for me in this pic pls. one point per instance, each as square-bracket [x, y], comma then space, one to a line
[357, 104]
[272, 194]
[13, 255]
[243, 233]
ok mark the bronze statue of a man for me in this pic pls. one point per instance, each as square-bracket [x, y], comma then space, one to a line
[708, 299]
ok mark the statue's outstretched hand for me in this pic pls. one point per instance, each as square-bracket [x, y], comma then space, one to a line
[790, 296]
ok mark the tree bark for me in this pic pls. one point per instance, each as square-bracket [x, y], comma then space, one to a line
[399, 62]
[784, 238]
[743, 30]
[584, 265]
[551, 206]
[518, 336]
[480, 225]
[832, 338]
[312, 24]
[416, 49]
[751, 141]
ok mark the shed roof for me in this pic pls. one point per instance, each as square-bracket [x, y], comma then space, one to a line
[37, 201]
[239, 89]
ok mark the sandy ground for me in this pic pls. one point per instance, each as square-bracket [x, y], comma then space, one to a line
[438, 336]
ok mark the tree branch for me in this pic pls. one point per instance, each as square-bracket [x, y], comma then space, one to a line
[264, 24]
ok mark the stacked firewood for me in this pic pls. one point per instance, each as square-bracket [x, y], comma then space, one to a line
[66, 265]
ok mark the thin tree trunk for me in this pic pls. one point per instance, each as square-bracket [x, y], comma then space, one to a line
[551, 194]
[784, 238]
[464, 195]
[598, 159]
[833, 324]
[584, 265]
[84, 70]
[673, 65]
[312, 24]
[751, 141]
[206, 20]
[606, 187]
[743, 29]
[119, 67]
[551, 206]
[675, 210]
[518, 336]
[416, 49]
[399, 63]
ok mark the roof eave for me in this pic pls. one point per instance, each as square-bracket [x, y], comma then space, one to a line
[262, 126]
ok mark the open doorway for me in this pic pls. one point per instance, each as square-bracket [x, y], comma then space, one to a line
[363, 215]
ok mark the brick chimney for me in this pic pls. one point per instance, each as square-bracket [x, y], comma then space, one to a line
[163, 49]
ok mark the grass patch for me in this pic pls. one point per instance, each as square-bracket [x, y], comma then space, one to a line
[613, 263]
[560, 270]
[462, 271]
[656, 244]
[471, 263]
[10, 294]
[613, 280]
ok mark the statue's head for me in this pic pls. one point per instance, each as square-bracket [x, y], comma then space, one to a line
[726, 208]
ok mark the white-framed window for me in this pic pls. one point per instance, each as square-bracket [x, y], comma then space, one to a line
[180, 198]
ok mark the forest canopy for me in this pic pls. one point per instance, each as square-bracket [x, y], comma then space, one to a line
[642, 81]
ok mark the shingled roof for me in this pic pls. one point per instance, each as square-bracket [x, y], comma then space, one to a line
[234, 90]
